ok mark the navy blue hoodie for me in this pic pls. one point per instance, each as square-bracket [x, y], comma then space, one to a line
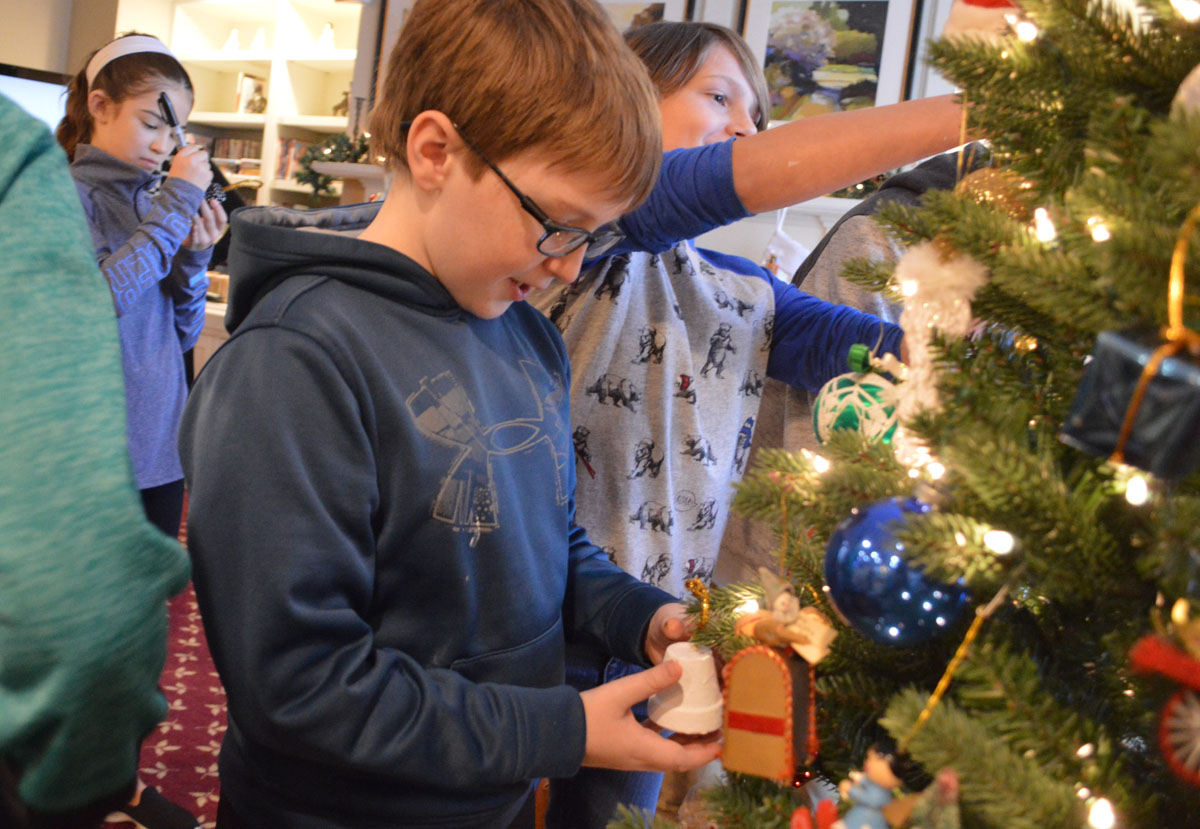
[381, 524]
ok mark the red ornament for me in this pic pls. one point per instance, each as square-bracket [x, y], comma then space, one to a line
[1179, 723]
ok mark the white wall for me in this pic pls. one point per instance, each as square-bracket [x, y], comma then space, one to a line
[151, 17]
[36, 34]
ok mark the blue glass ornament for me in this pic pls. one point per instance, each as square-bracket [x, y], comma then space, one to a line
[876, 591]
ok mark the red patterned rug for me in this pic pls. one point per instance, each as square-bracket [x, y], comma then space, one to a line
[179, 758]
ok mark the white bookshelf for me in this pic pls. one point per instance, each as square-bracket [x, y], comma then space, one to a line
[304, 50]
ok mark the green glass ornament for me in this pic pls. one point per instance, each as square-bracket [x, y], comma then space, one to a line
[856, 401]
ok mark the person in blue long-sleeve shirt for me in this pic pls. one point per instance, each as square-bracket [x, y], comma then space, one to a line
[671, 344]
[153, 238]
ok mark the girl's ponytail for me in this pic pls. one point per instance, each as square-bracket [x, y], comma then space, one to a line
[76, 125]
[126, 75]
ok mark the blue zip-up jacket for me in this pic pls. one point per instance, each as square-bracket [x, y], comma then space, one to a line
[382, 528]
[158, 288]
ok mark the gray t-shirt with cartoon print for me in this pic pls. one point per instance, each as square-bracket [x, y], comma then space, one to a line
[662, 431]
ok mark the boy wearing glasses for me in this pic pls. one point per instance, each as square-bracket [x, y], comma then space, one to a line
[379, 460]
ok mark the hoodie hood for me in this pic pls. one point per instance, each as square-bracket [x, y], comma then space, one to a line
[271, 244]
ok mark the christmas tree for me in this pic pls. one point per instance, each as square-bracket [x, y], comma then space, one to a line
[1037, 626]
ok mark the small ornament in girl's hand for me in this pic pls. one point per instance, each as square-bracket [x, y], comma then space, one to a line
[215, 192]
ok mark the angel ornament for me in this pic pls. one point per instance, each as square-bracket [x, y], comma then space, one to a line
[785, 624]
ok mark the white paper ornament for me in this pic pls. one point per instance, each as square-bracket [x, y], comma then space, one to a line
[937, 294]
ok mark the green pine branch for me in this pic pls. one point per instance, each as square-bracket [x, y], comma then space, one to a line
[999, 786]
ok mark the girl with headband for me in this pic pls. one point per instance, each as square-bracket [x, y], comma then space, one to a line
[153, 237]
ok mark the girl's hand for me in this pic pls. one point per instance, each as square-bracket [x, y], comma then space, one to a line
[191, 164]
[207, 226]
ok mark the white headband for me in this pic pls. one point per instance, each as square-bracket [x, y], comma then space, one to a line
[121, 47]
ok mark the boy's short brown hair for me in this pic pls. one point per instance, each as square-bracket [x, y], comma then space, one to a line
[550, 75]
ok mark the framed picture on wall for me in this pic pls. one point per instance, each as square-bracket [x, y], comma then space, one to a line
[628, 15]
[830, 55]
[725, 12]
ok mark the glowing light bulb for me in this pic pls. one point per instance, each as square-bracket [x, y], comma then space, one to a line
[1137, 491]
[909, 287]
[1086, 750]
[960, 539]
[1099, 229]
[1189, 10]
[1043, 228]
[1101, 816]
[748, 606]
[820, 463]
[999, 542]
[1027, 32]
[935, 470]
[1179, 612]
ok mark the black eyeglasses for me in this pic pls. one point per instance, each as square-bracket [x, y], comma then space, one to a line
[559, 239]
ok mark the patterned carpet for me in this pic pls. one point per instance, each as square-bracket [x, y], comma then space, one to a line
[179, 758]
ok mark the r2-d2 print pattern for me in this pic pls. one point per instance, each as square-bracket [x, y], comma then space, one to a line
[663, 411]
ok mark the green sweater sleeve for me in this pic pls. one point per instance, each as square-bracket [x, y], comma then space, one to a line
[84, 578]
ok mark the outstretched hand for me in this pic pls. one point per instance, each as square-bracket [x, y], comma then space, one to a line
[616, 740]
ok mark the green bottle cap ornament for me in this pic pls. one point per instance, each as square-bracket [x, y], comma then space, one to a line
[860, 358]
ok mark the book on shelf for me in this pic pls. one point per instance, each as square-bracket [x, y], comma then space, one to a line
[236, 148]
[205, 141]
[291, 150]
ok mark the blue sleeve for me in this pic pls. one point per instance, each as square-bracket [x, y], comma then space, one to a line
[693, 195]
[145, 258]
[606, 605]
[189, 291]
[811, 337]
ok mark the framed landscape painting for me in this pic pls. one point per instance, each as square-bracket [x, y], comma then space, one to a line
[630, 15]
[824, 56]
